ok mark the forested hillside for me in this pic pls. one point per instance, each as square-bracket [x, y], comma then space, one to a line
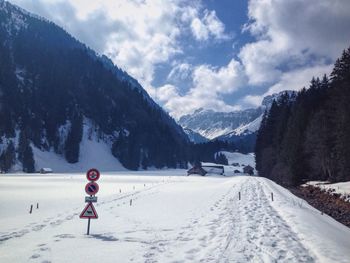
[51, 84]
[307, 137]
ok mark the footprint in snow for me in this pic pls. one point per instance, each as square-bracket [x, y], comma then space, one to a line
[65, 236]
[38, 227]
[35, 256]
[105, 237]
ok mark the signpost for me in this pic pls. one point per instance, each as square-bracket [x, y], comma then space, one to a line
[91, 189]
[90, 199]
[93, 175]
[89, 212]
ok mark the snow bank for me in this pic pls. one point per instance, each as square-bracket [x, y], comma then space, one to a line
[327, 239]
[340, 188]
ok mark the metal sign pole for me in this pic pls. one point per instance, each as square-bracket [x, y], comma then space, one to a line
[88, 228]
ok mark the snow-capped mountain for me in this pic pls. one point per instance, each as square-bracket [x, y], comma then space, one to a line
[238, 126]
[245, 129]
[211, 124]
[61, 102]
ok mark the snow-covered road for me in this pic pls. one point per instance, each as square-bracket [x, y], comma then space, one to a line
[173, 218]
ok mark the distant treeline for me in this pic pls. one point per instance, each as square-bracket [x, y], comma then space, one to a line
[307, 136]
[209, 152]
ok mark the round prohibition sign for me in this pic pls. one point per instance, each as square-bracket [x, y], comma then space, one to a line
[93, 174]
[91, 188]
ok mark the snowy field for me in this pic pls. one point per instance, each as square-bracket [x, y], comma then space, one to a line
[236, 157]
[173, 218]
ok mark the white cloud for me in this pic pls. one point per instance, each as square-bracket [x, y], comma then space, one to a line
[180, 105]
[209, 85]
[261, 60]
[215, 26]
[199, 29]
[224, 80]
[292, 80]
[292, 33]
[208, 26]
[295, 40]
[299, 78]
[252, 100]
[166, 92]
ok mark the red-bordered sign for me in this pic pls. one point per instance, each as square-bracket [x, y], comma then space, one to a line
[91, 188]
[89, 212]
[93, 174]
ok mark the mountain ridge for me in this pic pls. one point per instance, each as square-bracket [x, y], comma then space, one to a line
[225, 125]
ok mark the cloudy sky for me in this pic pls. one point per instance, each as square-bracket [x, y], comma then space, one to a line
[223, 55]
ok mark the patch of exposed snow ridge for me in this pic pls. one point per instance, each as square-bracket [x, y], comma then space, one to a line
[249, 127]
[16, 20]
[95, 151]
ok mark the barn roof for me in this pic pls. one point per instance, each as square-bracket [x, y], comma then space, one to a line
[197, 170]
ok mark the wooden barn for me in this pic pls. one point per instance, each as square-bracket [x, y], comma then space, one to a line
[46, 170]
[214, 169]
[248, 170]
[197, 170]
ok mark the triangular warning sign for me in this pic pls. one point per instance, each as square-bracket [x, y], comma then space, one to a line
[89, 212]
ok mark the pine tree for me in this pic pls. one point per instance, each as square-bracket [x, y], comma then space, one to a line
[28, 160]
[8, 157]
[22, 144]
[72, 144]
[317, 148]
[220, 158]
[341, 70]
[260, 143]
[144, 161]
[25, 152]
[265, 153]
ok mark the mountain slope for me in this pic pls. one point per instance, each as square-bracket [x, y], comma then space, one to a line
[50, 83]
[211, 124]
[195, 137]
